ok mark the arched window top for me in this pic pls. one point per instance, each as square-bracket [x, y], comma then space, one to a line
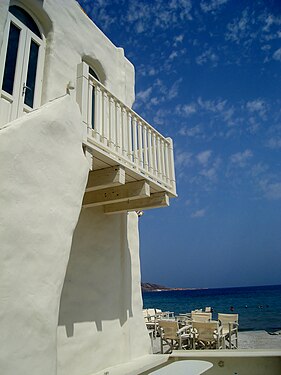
[93, 73]
[25, 18]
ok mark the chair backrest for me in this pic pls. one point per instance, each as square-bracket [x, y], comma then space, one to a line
[201, 316]
[168, 329]
[151, 312]
[205, 330]
[196, 311]
[228, 318]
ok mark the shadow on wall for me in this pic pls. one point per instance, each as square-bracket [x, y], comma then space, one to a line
[98, 281]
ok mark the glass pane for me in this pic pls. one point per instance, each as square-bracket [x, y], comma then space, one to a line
[93, 73]
[25, 18]
[31, 74]
[11, 59]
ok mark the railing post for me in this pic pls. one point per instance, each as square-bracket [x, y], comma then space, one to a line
[171, 164]
[166, 161]
[145, 154]
[112, 132]
[118, 128]
[91, 107]
[154, 158]
[140, 144]
[150, 160]
[82, 94]
[98, 114]
[105, 108]
[124, 132]
[164, 174]
[135, 141]
[158, 144]
[129, 134]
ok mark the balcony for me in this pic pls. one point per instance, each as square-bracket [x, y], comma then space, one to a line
[121, 143]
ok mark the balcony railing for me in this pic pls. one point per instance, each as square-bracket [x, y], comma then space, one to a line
[123, 134]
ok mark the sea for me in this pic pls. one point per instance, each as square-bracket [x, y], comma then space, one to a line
[259, 307]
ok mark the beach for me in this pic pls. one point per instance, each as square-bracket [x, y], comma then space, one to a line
[259, 340]
[246, 340]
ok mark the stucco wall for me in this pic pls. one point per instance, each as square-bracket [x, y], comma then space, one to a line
[71, 35]
[43, 175]
[100, 321]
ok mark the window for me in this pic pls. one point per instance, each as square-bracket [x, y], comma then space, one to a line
[22, 55]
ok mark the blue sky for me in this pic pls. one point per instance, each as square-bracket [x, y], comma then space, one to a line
[208, 75]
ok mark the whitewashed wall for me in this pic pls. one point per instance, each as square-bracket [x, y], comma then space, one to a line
[100, 321]
[40, 200]
[100, 318]
[71, 36]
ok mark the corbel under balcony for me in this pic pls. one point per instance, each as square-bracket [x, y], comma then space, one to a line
[108, 188]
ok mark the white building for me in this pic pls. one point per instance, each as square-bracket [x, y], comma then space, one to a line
[76, 163]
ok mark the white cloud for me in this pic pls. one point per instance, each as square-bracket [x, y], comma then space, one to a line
[255, 105]
[207, 56]
[212, 105]
[272, 190]
[211, 172]
[152, 72]
[240, 159]
[173, 55]
[210, 6]
[187, 109]
[199, 213]
[178, 39]
[144, 95]
[204, 156]
[277, 55]
[259, 169]
[258, 106]
[190, 132]
[156, 15]
[274, 143]
[174, 89]
[183, 159]
[240, 29]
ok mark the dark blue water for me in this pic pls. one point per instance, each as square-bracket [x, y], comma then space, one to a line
[258, 307]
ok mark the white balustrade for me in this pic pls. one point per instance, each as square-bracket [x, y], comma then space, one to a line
[122, 133]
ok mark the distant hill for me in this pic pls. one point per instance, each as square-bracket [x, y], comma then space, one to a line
[148, 287]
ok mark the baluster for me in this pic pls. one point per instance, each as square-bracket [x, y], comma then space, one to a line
[129, 134]
[118, 128]
[111, 123]
[150, 161]
[140, 127]
[145, 154]
[105, 132]
[158, 157]
[124, 132]
[162, 160]
[98, 114]
[166, 161]
[171, 165]
[135, 141]
[91, 108]
[154, 157]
